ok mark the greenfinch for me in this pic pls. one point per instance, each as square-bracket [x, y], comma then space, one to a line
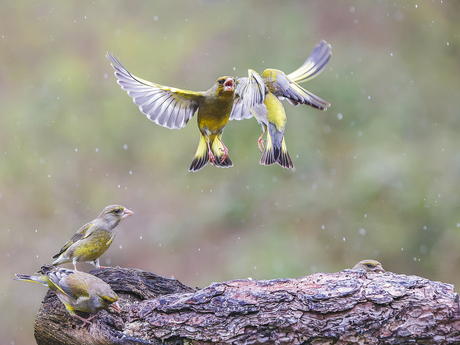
[93, 238]
[77, 290]
[263, 102]
[369, 266]
[173, 108]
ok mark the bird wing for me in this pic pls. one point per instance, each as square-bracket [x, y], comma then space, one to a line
[250, 95]
[83, 232]
[285, 86]
[166, 106]
[314, 65]
[60, 279]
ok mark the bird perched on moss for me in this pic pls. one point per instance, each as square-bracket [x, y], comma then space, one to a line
[93, 238]
[77, 290]
[370, 266]
[262, 95]
[173, 108]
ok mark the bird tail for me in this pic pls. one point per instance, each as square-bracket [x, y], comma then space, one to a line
[43, 280]
[283, 159]
[276, 149]
[271, 153]
[202, 154]
[218, 148]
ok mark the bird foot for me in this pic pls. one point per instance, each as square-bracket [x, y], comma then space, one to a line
[260, 143]
[212, 159]
[224, 150]
[85, 321]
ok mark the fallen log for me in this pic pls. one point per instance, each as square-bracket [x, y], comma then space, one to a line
[347, 307]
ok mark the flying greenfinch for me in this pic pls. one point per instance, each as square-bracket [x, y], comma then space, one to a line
[173, 108]
[262, 95]
[77, 290]
[93, 238]
[370, 266]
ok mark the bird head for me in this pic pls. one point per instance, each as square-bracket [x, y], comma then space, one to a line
[369, 266]
[114, 214]
[104, 298]
[225, 84]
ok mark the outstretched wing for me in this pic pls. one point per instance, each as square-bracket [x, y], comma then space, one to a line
[285, 86]
[250, 95]
[166, 106]
[314, 65]
[294, 93]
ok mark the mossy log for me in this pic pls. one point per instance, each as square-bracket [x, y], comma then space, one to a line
[347, 307]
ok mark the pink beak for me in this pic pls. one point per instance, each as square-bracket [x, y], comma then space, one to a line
[127, 213]
[115, 306]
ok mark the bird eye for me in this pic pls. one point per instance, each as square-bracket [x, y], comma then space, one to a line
[221, 81]
[117, 210]
[369, 265]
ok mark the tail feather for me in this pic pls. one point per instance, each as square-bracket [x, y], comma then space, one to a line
[271, 153]
[201, 155]
[32, 279]
[284, 160]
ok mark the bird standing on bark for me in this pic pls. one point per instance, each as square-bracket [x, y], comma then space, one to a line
[77, 290]
[93, 238]
[173, 108]
[262, 96]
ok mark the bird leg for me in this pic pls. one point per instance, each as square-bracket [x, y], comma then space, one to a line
[260, 142]
[74, 261]
[85, 321]
[224, 150]
[211, 155]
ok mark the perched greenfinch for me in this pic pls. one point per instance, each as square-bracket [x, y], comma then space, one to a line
[173, 108]
[369, 266]
[93, 238]
[262, 95]
[77, 290]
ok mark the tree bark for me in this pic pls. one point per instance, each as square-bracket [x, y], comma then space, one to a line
[348, 307]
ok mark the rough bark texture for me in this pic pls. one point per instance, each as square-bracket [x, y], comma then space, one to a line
[348, 307]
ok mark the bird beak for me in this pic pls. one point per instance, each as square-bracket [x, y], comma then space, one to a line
[229, 84]
[127, 213]
[115, 306]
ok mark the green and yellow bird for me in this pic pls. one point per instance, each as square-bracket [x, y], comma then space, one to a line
[93, 238]
[173, 108]
[262, 96]
[371, 266]
[77, 290]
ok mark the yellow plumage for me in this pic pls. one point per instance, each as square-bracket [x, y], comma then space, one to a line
[76, 290]
[262, 96]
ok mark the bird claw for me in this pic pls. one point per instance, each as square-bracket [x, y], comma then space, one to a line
[260, 143]
[224, 150]
[85, 321]
[212, 159]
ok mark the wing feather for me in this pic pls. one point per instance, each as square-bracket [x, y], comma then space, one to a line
[161, 104]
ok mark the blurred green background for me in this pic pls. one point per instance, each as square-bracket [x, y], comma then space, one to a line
[377, 175]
